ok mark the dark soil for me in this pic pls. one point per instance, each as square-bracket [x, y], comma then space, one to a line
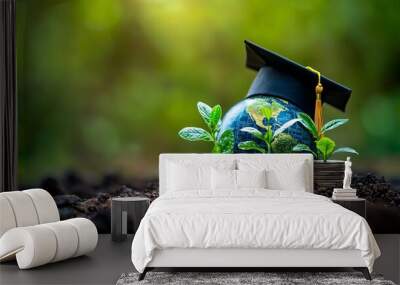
[383, 201]
[78, 197]
[373, 188]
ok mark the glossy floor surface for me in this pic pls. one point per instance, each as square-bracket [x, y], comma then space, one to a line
[103, 266]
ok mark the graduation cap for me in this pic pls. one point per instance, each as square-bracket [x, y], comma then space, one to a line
[303, 86]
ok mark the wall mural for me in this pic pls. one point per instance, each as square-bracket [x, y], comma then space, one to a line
[105, 87]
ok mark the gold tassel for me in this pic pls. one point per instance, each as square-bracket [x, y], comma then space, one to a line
[318, 113]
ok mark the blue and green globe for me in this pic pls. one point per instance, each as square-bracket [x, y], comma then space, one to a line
[243, 115]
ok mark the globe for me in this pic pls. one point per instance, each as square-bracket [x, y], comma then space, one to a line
[242, 115]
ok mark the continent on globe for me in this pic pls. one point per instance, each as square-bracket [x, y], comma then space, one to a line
[241, 115]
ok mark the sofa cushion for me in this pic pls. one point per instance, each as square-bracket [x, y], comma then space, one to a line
[26, 208]
[23, 209]
[7, 220]
[45, 205]
[41, 244]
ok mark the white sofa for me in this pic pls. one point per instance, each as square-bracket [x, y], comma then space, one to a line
[31, 231]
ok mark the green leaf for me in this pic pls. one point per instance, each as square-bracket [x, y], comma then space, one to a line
[333, 124]
[250, 145]
[326, 146]
[345, 150]
[303, 148]
[308, 123]
[253, 131]
[283, 143]
[195, 134]
[268, 136]
[227, 141]
[285, 126]
[266, 111]
[215, 117]
[205, 111]
[216, 148]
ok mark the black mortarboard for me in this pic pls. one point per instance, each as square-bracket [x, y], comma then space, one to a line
[280, 77]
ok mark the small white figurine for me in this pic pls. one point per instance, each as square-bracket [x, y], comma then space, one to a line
[347, 174]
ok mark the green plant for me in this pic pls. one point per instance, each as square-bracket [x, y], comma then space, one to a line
[324, 145]
[261, 111]
[283, 143]
[212, 117]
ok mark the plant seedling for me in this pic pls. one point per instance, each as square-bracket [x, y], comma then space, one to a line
[325, 146]
[212, 117]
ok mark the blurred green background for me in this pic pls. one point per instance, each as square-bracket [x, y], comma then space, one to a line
[104, 85]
